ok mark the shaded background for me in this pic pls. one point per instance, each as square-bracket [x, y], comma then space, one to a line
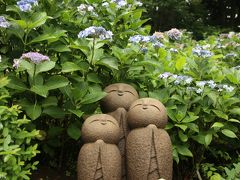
[202, 17]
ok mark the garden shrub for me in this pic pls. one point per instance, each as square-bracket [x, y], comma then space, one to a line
[16, 147]
[59, 55]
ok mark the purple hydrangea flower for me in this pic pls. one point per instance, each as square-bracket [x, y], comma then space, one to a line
[3, 22]
[174, 34]
[26, 5]
[35, 57]
[96, 32]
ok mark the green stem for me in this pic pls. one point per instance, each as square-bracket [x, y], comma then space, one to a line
[93, 50]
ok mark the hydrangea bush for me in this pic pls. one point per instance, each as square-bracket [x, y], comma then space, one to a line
[59, 55]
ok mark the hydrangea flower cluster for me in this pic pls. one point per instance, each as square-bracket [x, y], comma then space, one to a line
[174, 34]
[213, 85]
[105, 4]
[199, 85]
[201, 52]
[119, 3]
[140, 39]
[26, 5]
[33, 57]
[3, 22]
[230, 55]
[159, 35]
[95, 32]
[177, 79]
[173, 50]
[84, 8]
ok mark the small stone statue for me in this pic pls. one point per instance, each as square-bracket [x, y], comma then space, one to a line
[117, 102]
[148, 145]
[99, 158]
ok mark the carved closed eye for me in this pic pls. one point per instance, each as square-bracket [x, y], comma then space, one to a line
[103, 121]
[115, 90]
[140, 104]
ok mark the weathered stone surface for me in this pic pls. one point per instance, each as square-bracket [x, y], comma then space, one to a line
[119, 95]
[100, 158]
[117, 102]
[148, 146]
[147, 111]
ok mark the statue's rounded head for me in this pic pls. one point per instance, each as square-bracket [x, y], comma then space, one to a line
[119, 95]
[147, 111]
[101, 126]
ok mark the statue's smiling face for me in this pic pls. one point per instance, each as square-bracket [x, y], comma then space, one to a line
[147, 111]
[119, 95]
[100, 126]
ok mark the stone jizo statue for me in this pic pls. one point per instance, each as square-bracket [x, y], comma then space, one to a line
[99, 158]
[117, 102]
[148, 145]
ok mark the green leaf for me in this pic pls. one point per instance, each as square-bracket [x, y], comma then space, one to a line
[60, 48]
[45, 66]
[221, 114]
[38, 19]
[182, 136]
[77, 112]
[56, 81]
[6, 142]
[182, 126]
[50, 101]
[54, 111]
[3, 81]
[109, 62]
[190, 118]
[235, 111]
[92, 77]
[40, 90]
[33, 111]
[17, 84]
[93, 97]
[208, 139]
[74, 131]
[234, 120]
[216, 177]
[52, 35]
[70, 67]
[181, 61]
[183, 150]
[229, 133]
[217, 125]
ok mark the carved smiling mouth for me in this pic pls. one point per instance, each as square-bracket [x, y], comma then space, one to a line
[103, 123]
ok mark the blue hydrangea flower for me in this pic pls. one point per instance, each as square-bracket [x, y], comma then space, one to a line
[26, 5]
[119, 3]
[174, 34]
[158, 45]
[146, 39]
[200, 52]
[3, 22]
[230, 55]
[177, 79]
[95, 32]
[165, 75]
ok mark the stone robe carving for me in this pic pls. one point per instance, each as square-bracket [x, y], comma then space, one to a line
[99, 158]
[148, 145]
[117, 102]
